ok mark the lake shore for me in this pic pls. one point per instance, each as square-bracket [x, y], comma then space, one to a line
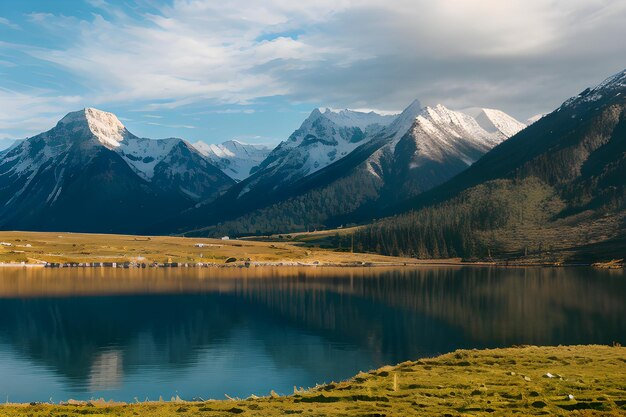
[530, 380]
[57, 250]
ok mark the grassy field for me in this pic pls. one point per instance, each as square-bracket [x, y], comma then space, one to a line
[585, 380]
[38, 247]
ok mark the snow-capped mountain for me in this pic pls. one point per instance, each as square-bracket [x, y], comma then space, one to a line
[90, 173]
[324, 137]
[440, 133]
[439, 144]
[493, 120]
[236, 159]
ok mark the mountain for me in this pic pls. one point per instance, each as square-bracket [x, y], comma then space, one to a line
[493, 121]
[236, 159]
[556, 191]
[439, 144]
[417, 150]
[89, 173]
[324, 137]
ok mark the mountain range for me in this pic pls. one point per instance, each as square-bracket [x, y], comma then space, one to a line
[556, 190]
[304, 185]
[473, 183]
[89, 173]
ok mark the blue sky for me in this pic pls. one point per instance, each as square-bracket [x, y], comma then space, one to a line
[252, 70]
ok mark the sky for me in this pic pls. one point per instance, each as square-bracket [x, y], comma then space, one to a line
[252, 70]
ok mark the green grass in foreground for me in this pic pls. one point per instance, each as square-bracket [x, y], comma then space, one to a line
[467, 382]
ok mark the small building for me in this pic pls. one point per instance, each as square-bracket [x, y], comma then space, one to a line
[6, 244]
[225, 238]
[200, 245]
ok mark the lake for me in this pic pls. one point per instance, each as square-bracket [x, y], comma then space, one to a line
[203, 333]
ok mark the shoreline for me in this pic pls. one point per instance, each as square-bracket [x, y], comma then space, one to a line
[286, 263]
[76, 250]
[530, 380]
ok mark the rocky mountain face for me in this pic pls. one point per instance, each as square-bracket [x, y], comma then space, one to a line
[89, 173]
[236, 159]
[556, 189]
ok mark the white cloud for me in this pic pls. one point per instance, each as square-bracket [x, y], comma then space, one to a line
[32, 111]
[171, 126]
[524, 56]
[6, 22]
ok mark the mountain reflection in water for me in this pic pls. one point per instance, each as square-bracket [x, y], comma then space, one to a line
[208, 332]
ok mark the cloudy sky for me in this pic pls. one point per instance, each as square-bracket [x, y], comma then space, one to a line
[250, 69]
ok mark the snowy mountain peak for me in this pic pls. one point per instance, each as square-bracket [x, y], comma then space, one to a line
[440, 111]
[493, 120]
[352, 118]
[447, 127]
[105, 126]
[534, 118]
[433, 119]
[404, 120]
[413, 109]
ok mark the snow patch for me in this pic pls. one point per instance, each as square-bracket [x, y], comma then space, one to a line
[493, 120]
[105, 126]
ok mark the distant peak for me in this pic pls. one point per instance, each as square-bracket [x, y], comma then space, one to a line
[316, 112]
[534, 118]
[415, 105]
[493, 120]
[350, 118]
[104, 125]
[411, 111]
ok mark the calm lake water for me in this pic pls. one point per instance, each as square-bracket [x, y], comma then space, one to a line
[126, 334]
